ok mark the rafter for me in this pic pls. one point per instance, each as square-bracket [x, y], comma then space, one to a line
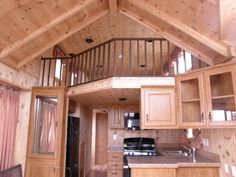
[57, 39]
[218, 47]
[176, 36]
[18, 44]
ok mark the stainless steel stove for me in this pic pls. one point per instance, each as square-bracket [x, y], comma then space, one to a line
[137, 147]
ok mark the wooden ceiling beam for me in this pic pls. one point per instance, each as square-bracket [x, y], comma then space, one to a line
[221, 48]
[57, 39]
[18, 44]
[167, 33]
[112, 6]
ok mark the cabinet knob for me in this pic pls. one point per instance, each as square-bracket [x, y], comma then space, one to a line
[210, 116]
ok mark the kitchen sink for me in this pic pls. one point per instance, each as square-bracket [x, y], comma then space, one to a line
[177, 153]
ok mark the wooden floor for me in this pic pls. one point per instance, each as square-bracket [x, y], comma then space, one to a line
[98, 171]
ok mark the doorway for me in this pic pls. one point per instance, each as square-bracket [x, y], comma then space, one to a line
[101, 138]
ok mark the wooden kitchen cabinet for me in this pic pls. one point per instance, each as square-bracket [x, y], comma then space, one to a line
[153, 172]
[207, 98]
[157, 107]
[221, 96]
[197, 172]
[116, 115]
[115, 164]
[190, 100]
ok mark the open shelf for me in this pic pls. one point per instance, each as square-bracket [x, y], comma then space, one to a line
[223, 96]
[191, 100]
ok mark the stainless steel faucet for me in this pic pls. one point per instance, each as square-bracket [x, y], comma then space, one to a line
[191, 151]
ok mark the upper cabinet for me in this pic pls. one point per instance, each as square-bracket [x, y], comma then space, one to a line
[116, 115]
[207, 97]
[190, 102]
[158, 107]
[220, 96]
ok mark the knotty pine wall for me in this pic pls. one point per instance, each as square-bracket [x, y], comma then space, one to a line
[222, 142]
[23, 78]
[162, 137]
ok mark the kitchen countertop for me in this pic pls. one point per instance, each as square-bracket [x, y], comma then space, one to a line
[171, 161]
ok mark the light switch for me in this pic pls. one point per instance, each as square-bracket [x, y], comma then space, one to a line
[205, 142]
[226, 167]
[114, 136]
[233, 168]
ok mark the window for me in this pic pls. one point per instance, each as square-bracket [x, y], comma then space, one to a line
[183, 62]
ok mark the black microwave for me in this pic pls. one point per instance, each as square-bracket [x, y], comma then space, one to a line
[131, 121]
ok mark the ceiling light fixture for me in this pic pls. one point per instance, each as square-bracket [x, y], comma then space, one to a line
[149, 40]
[89, 40]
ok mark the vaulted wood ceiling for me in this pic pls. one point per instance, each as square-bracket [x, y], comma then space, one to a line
[206, 28]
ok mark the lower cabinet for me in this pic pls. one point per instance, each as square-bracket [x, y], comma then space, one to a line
[197, 172]
[153, 172]
[115, 164]
[176, 172]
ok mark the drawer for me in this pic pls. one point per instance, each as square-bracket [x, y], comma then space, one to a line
[115, 165]
[115, 157]
[114, 173]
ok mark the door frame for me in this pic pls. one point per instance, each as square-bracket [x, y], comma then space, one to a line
[93, 143]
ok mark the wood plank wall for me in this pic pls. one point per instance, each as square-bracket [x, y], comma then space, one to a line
[222, 142]
[162, 137]
[22, 79]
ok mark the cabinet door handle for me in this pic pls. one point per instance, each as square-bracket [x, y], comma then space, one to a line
[147, 117]
[210, 116]
[202, 117]
[114, 173]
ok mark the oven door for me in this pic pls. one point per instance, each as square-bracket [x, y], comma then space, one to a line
[126, 171]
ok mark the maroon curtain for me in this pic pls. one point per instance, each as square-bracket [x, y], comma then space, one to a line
[48, 131]
[9, 104]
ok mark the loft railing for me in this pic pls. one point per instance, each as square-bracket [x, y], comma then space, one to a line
[120, 57]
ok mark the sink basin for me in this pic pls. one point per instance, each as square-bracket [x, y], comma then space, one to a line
[177, 153]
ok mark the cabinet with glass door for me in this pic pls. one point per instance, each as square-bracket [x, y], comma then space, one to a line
[220, 94]
[191, 112]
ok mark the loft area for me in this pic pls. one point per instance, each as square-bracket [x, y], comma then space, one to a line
[118, 57]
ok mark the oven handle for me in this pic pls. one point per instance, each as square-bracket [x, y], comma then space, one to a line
[126, 166]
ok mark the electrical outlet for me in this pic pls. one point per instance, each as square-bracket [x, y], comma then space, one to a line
[233, 169]
[114, 137]
[205, 142]
[226, 167]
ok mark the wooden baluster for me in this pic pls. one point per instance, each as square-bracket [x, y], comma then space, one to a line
[90, 63]
[130, 57]
[161, 60]
[99, 53]
[81, 67]
[43, 71]
[122, 58]
[153, 58]
[108, 62]
[94, 63]
[168, 55]
[145, 56]
[49, 68]
[138, 58]
[66, 84]
[103, 61]
[85, 69]
[114, 69]
[60, 73]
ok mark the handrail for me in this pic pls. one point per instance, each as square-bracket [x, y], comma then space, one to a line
[118, 57]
